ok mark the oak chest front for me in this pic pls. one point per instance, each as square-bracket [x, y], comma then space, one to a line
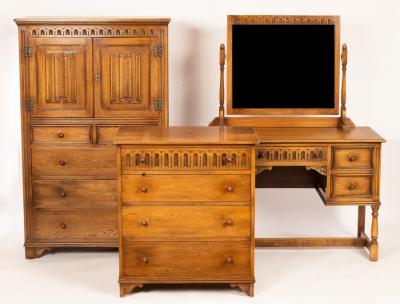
[186, 211]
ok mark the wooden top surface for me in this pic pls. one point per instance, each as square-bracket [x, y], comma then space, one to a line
[186, 136]
[90, 20]
[314, 134]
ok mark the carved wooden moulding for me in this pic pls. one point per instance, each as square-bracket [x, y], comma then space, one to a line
[92, 31]
[283, 19]
[185, 159]
[291, 154]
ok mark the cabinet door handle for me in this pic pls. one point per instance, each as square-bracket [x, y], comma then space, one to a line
[61, 134]
[61, 162]
[97, 77]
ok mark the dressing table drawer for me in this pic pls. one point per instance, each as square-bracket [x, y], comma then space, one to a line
[185, 187]
[61, 134]
[187, 260]
[183, 222]
[348, 157]
[352, 187]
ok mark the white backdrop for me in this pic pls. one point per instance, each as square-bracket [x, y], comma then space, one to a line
[370, 28]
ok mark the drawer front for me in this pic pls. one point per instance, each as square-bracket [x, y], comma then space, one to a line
[61, 134]
[186, 222]
[352, 157]
[74, 194]
[59, 161]
[290, 155]
[188, 158]
[174, 188]
[80, 226]
[352, 186]
[214, 260]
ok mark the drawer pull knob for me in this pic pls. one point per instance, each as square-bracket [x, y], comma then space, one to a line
[228, 222]
[229, 260]
[144, 223]
[228, 159]
[352, 186]
[145, 260]
[352, 158]
[229, 188]
[61, 162]
[63, 194]
[61, 134]
[63, 226]
[143, 189]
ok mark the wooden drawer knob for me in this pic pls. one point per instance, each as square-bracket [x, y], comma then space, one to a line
[352, 158]
[63, 194]
[229, 188]
[228, 222]
[352, 186]
[228, 260]
[61, 134]
[145, 260]
[144, 223]
[143, 189]
[63, 226]
[228, 159]
[61, 162]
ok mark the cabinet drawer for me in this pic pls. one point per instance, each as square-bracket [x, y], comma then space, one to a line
[61, 134]
[68, 161]
[352, 157]
[182, 187]
[185, 222]
[352, 186]
[214, 260]
[80, 226]
[74, 194]
[188, 158]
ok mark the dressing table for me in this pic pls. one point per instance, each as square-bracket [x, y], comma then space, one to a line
[332, 155]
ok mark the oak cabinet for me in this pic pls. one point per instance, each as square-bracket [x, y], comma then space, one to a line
[81, 79]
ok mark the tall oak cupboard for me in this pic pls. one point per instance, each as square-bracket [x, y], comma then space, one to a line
[81, 79]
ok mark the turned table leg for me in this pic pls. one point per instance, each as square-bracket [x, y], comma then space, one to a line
[374, 247]
[361, 221]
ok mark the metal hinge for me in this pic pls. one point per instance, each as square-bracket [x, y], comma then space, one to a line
[157, 104]
[157, 50]
[28, 51]
[29, 105]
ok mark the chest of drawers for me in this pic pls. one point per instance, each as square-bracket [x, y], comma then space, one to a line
[186, 206]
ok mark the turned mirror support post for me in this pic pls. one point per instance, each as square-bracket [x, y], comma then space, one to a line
[344, 125]
[222, 57]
